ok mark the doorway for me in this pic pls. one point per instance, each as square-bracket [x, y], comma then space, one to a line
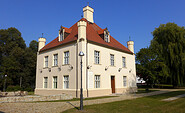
[113, 84]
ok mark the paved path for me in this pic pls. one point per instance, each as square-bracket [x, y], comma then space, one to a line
[174, 98]
[57, 107]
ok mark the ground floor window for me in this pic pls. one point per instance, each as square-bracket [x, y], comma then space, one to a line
[66, 81]
[45, 82]
[97, 81]
[124, 81]
[55, 82]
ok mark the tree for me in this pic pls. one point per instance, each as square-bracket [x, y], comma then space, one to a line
[169, 44]
[149, 67]
[17, 60]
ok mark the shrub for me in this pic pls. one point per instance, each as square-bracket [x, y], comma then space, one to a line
[13, 88]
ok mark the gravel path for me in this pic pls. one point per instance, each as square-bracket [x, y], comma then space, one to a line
[57, 107]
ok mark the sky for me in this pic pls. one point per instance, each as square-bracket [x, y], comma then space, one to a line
[123, 18]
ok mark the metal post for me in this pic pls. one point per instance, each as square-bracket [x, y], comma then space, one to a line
[81, 90]
[5, 84]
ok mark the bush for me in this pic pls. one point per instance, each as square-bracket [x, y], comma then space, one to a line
[13, 88]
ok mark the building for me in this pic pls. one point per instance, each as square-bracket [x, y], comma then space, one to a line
[108, 66]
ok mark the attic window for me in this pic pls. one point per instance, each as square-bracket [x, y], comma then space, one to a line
[61, 34]
[106, 36]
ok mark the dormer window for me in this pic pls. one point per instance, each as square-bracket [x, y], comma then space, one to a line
[61, 34]
[106, 36]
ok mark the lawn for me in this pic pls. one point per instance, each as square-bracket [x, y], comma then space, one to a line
[151, 104]
[143, 90]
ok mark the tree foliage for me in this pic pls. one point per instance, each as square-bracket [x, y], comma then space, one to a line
[164, 60]
[169, 44]
[17, 60]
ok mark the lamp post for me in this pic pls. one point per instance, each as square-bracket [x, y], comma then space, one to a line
[5, 83]
[81, 90]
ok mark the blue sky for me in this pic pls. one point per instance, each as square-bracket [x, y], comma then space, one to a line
[123, 18]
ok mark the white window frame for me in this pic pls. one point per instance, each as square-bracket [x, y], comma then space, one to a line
[55, 60]
[55, 80]
[66, 82]
[45, 82]
[112, 59]
[124, 81]
[66, 57]
[46, 61]
[124, 61]
[106, 37]
[97, 81]
[97, 57]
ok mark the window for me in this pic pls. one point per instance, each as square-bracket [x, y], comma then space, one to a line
[45, 82]
[123, 61]
[55, 82]
[46, 61]
[66, 57]
[55, 60]
[111, 59]
[97, 81]
[66, 82]
[96, 57]
[124, 81]
[106, 37]
[61, 35]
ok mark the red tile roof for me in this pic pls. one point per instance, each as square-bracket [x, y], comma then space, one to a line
[93, 36]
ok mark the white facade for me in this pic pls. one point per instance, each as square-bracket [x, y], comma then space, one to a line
[96, 77]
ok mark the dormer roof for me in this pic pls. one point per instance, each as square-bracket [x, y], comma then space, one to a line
[93, 32]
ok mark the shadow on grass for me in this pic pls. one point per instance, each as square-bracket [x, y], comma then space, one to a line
[73, 105]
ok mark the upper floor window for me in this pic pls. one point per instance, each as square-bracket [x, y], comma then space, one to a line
[106, 36]
[55, 82]
[124, 81]
[97, 81]
[111, 59]
[55, 60]
[46, 61]
[124, 61]
[66, 57]
[96, 57]
[66, 82]
[61, 34]
[45, 82]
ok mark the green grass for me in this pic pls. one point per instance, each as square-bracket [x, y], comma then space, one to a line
[77, 99]
[142, 90]
[151, 104]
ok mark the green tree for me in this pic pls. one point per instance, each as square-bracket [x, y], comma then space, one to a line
[17, 60]
[149, 67]
[169, 44]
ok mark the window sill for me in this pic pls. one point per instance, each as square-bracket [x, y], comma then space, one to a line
[55, 66]
[112, 66]
[124, 67]
[97, 64]
[65, 64]
[45, 67]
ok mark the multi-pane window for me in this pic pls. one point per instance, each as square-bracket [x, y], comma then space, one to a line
[111, 59]
[55, 82]
[97, 81]
[55, 59]
[96, 57]
[66, 57]
[106, 37]
[46, 61]
[123, 61]
[45, 82]
[124, 81]
[66, 82]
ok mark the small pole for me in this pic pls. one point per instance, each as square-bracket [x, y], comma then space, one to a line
[81, 89]
[5, 84]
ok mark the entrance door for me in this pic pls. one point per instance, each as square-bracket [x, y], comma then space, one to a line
[113, 84]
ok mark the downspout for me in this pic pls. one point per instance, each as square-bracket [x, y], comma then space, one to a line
[77, 69]
[87, 70]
